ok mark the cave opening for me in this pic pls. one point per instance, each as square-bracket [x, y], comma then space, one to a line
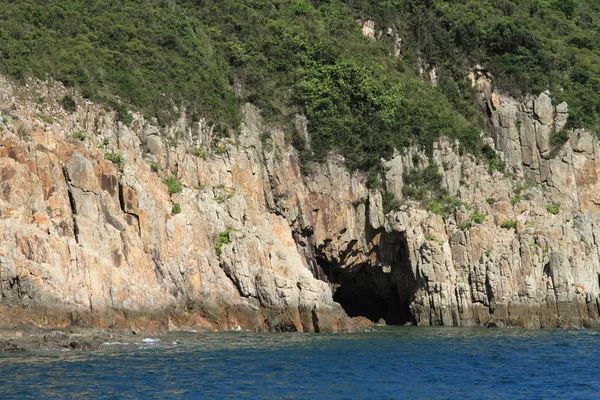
[382, 290]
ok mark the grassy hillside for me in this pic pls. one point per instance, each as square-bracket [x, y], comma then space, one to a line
[290, 56]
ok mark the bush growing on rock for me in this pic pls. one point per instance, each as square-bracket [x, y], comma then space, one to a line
[223, 239]
[68, 103]
[478, 217]
[553, 208]
[115, 158]
[176, 209]
[509, 224]
[389, 202]
[173, 185]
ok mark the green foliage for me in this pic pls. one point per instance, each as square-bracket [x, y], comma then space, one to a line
[431, 238]
[223, 194]
[79, 135]
[490, 201]
[444, 205]
[299, 56]
[285, 56]
[426, 186]
[200, 152]
[494, 163]
[529, 45]
[116, 159]
[123, 114]
[46, 119]
[509, 224]
[465, 225]
[176, 209]
[154, 166]
[68, 103]
[151, 54]
[267, 141]
[557, 141]
[478, 217]
[553, 208]
[223, 239]
[389, 202]
[220, 149]
[173, 185]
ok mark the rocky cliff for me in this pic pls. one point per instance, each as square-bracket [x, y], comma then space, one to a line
[90, 233]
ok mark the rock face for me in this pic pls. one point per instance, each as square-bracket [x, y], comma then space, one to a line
[89, 241]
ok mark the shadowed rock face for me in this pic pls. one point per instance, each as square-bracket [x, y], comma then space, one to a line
[84, 241]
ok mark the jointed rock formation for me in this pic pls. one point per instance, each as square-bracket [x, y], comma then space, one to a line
[89, 241]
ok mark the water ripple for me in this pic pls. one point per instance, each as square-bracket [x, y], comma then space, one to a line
[389, 363]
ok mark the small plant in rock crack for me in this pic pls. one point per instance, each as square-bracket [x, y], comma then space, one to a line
[199, 152]
[553, 208]
[509, 224]
[223, 239]
[154, 166]
[176, 209]
[173, 185]
[46, 119]
[79, 136]
[478, 217]
[115, 158]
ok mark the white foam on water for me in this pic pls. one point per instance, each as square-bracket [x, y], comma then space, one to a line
[150, 340]
[115, 343]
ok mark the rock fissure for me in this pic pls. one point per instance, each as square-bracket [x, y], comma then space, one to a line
[134, 263]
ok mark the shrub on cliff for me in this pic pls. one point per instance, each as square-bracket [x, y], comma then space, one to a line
[223, 239]
[116, 159]
[173, 185]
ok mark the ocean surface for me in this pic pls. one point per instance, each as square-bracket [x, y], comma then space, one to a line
[389, 363]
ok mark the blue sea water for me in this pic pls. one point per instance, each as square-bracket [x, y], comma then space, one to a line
[389, 363]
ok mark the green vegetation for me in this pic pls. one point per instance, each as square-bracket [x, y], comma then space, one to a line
[46, 119]
[222, 193]
[509, 224]
[154, 166]
[79, 135]
[553, 208]
[557, 141]
[223, 239]
[68, 103]
[116, 159]
[444, 205]
[176, 209]
[267, 141]
[173, 185]
[389, 202]
[309, 56]
[431, 238]
[529, 45]
[426, 186]
[423, 184]
[494, 163]
[199, 152]
[478, 217]
[465, 225]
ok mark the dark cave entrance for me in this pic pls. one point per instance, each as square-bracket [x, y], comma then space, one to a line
[381, 291]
